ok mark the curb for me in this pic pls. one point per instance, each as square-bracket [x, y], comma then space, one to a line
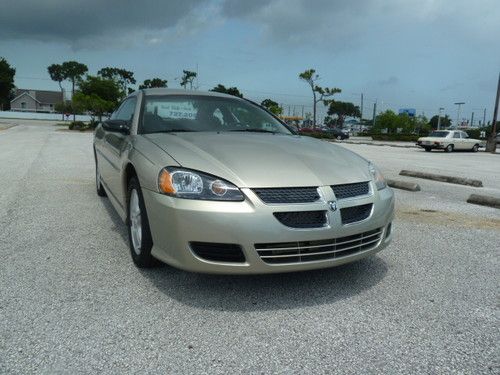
[403, 185]
[442, 178]
[379, 144]
[484, 200]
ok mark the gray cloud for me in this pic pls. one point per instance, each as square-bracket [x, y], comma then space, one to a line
[80, 20]
[392, 80]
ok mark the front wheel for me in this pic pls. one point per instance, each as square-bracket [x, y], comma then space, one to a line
[428, 149]
[339, 137]
[475, 148]
[139, 234]
[448, 148]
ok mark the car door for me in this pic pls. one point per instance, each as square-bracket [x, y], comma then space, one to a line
[115, 144]
[457, 141]
[467, 142]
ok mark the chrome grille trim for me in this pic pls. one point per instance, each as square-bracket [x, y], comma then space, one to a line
[309, 251]
[321, 252]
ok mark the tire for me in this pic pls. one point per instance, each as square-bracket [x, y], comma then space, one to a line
[448, 148]
[428, 149]
[139, 234]
[98, 184]
[475, 148]
[339, 138]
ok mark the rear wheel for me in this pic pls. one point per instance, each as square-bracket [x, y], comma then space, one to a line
[475, 148]
[428, 149]
[448, 148]
[139, 234]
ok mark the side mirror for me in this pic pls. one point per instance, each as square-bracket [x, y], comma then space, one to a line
[117, 126]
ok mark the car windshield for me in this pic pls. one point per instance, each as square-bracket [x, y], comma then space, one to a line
[197, 113]
[439, 134]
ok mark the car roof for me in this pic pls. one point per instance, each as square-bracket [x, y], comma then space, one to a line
[165, 91]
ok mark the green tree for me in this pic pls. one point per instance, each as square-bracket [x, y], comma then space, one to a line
[391, 122]
[57, 74]
[121, 76]
[319, 93]
[445, 122]
[272, 107]
[343, 110]
[73, 71]
[154, 82]
[188, 78]
[227, 90]
[7, 74]
[98, 95]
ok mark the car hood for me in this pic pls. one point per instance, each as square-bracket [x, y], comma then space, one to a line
[264, 160]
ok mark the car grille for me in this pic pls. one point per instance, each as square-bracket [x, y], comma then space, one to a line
[218, 252]
[354, 214]
[302, 219]
[288, 195]
[309, 251]
[351, 190]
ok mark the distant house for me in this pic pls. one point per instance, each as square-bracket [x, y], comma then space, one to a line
[35, 100]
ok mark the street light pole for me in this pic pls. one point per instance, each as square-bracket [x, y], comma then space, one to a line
[458, 111]
[491, 145]
[439, 118]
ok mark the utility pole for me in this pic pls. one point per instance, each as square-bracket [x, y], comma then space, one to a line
[472, 120]
[491, 145]
[361, 109]
[374, 113]
[458, 111]
[484, 117]
[439, 118]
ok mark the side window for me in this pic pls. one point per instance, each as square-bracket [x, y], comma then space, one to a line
[456, 135]
[465, 135]
[126, 110]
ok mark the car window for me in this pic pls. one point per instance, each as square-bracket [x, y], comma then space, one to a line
[456, 135]
[439, 134]
[205, 113]
[465, 135]
[126, 110]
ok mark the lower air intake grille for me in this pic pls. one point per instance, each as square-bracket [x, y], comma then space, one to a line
[288, 195]
[218, 252]
[351, 190]
[354, 214]
[309, 251]
[302, 219]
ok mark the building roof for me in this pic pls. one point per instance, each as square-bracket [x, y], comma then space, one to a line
[41, 96]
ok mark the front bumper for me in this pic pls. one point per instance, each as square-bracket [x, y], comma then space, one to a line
[176, 222]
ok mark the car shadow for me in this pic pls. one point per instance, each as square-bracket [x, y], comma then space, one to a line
[267, 292]
[117, 223]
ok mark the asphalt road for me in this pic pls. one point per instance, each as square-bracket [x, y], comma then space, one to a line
[72, 302]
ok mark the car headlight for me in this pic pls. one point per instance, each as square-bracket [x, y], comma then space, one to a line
[186, 183]
[377, 177]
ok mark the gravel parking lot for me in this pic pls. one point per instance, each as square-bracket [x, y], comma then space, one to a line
[71, 300]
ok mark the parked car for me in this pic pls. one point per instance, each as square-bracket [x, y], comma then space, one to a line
[449, 140]
[208, 182]
[337, 133]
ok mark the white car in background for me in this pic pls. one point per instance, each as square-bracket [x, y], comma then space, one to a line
[449, 140]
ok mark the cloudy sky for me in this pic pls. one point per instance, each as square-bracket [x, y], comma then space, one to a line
[421, 54]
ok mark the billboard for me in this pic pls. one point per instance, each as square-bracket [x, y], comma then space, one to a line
[409, 111]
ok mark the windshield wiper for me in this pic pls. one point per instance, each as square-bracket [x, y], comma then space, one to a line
[253, 130]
